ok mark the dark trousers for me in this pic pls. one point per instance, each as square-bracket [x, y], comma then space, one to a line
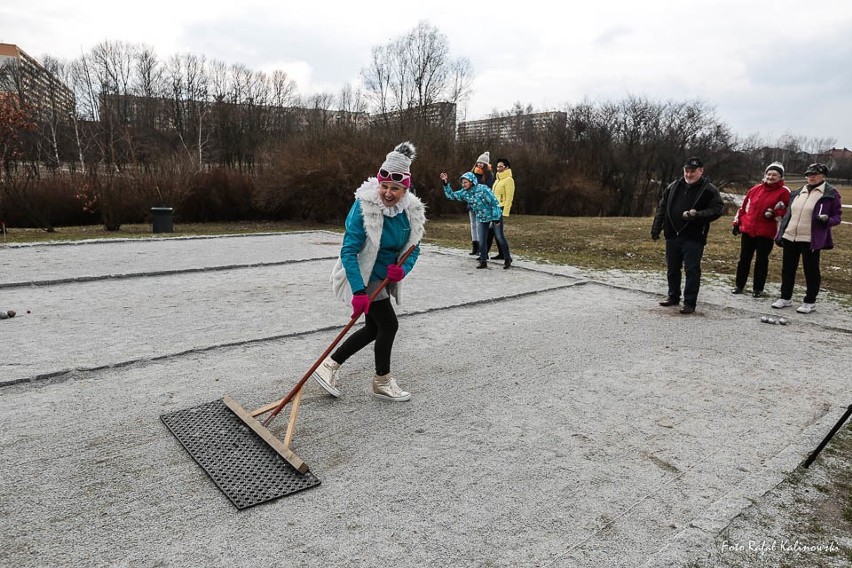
[380, 326]
[790, 265]
[748, 247]
[685, 254]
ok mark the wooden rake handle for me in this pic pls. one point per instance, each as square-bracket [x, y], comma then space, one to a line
[334, 343]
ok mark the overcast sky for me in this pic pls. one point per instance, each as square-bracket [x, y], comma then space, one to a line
[769, 67]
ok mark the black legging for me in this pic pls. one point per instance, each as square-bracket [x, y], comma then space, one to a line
[380, 326]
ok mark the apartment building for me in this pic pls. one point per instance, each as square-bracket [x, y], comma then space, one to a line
[23, 76]
[511, 128]
[437, 115]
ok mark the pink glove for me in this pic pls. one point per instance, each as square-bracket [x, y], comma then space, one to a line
[395, 273]
[360, 304]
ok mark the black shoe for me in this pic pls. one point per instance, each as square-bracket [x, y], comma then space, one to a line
[474, 248]
[670, 301]
[687, 309]
[482, 264]
[507, 264]
[498, 257]
[758, 294]
[737, 291]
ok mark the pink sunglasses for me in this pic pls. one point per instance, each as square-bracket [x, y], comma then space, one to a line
[393, 176]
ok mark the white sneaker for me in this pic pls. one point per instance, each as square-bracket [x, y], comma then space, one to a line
[385, 387]
[806, 308]
[782, 303]
[326, 376]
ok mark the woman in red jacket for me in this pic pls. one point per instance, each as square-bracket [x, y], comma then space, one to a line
[757, 222]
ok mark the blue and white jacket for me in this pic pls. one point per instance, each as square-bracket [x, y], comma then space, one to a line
[480, 198]
[376, 236]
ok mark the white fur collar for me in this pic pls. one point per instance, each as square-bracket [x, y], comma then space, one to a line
[369, 192]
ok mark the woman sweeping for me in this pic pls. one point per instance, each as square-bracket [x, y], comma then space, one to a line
[385, 221]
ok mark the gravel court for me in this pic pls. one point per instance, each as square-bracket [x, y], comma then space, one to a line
[92, 323]
[589, 437]
[101, 258]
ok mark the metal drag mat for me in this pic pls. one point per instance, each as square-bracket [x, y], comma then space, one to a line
[239, 462]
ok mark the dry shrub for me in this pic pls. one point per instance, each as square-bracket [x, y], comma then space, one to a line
[574, 196]
[115, 197]
[168, 183]
[315, 177]
[220, 195]
[53, 201]
[545, 184]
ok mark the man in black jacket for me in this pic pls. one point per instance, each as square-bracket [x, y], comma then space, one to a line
[684, 214]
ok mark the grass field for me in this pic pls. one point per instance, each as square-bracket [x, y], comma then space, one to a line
[815, 502]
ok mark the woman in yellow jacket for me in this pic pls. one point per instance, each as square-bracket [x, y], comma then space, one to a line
[504, 191]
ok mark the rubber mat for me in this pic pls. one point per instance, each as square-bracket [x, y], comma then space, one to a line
[244, 467]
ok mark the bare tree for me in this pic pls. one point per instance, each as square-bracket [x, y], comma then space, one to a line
[401, 83]
[220, 80]
[318, 110]
[283, 96]
[148, 72]
[818, 147]
[149, 88]
[189, 101]
[112, 64]
[283, 89]
[635, 146]
[377, 79]
[415, 71]
[252, 96]
[426, 52]
[353, 106]
[16, 119]
[460, 81]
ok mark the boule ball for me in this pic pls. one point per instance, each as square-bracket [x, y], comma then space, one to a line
[11, 313]
[3, 315]
[770, 320]
[764, 319]
[783, 321]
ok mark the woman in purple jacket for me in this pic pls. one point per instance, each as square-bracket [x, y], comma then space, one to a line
[805, 230]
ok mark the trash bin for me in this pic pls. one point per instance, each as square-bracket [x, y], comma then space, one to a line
[163, 219]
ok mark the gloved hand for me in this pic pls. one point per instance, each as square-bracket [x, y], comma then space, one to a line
[655, 236]
[769, 213]
[823, 218]
[735, 230]
[395, 273]
[360, 304]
